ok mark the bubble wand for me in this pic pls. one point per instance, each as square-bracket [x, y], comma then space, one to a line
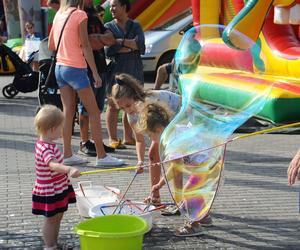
[108, 170]
[264, 131]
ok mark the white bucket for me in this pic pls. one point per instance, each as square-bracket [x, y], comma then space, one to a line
[133, 208]
[88, 196]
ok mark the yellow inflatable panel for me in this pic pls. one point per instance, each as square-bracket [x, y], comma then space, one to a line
[153, 12]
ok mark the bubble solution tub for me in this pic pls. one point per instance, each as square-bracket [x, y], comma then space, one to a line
[89, 195]
[112, 232]
[132, 208]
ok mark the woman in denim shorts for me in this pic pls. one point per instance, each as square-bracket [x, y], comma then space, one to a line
[73, 55]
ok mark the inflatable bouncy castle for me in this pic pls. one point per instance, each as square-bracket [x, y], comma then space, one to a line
[229, 67]
[151, 13]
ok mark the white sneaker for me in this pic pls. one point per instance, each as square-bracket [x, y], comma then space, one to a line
[75, 160]
[109, 161]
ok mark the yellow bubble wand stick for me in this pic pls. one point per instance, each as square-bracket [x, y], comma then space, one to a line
[109, 170]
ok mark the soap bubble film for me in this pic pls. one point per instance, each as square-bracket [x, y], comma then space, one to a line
[215, 102]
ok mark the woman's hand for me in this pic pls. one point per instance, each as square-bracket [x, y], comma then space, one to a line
[97, 80]
[108, 38]
[293, 171]
[120, 41]
[95, 41]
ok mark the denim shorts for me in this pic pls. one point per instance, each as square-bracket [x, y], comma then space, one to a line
[100, 94]
[74, 77]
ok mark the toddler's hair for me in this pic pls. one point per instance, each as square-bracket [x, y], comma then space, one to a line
[129, 87]
[48, 117]
[152, 116]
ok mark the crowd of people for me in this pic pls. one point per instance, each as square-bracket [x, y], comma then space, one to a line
[81, 71]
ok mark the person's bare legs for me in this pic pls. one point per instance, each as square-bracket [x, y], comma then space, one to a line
[84, 127]
[59, 218]
[161, 76]
[51, 229]
[154, 170]
[68, 98]
[178, 183]
[127, 130]
[112, 120]
[88, 99]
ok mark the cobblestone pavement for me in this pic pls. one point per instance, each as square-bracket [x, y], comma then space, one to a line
[255, 208]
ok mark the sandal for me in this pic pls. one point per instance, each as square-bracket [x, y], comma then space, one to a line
[155, 201]
[130, 143]
[170, 210]
[206, 221]
[64, 246]
[117, 144]
[189, 229]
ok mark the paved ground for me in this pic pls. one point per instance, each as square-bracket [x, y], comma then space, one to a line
[255, 208]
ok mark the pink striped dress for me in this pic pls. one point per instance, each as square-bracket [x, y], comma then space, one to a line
[52, 191]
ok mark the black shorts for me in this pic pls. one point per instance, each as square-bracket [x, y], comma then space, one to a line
[100, 94]
[169, 68]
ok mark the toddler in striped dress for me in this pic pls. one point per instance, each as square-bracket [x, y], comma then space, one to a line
[52, 190]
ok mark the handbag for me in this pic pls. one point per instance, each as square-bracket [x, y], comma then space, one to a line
[50, 81]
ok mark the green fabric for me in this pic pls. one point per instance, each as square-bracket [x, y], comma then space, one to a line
[14, 42]
[276, 110]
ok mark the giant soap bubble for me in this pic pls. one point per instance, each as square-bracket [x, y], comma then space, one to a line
[221, 89]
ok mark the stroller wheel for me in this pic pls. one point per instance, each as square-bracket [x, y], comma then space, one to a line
[9, 91]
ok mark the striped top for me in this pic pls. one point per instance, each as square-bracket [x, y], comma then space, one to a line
[48, 182]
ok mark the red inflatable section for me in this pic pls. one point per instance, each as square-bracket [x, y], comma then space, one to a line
[238, 5]
[196, 12]
[281, 38]
[177, 8]
[138, 7]
[217, 55]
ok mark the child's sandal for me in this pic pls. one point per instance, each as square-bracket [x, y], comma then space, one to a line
[64, 246]
[189, 229]
[170, 210]
[155, 201]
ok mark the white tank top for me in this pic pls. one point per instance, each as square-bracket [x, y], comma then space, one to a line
[170, 99]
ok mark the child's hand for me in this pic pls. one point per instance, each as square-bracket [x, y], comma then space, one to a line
[140, 167]
[156, 188]
[74, 172]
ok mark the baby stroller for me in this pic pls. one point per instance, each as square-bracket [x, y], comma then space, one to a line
[47, 94]
[25, 79]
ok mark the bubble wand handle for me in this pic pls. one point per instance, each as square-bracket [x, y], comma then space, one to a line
[122, 198]
[268, 130]
[109, 170]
